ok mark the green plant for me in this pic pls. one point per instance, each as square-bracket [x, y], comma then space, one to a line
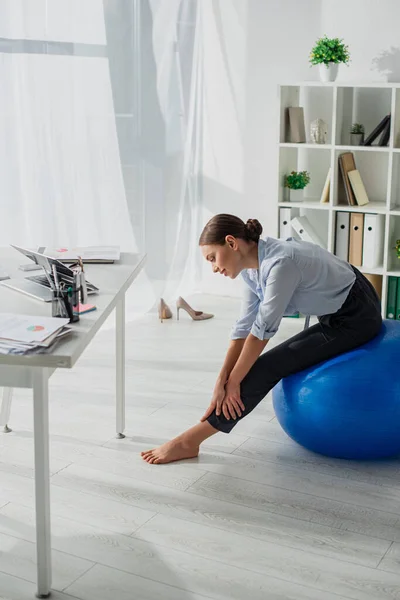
[357, 128]
[329, 50]
[397, 248]
[297, 180]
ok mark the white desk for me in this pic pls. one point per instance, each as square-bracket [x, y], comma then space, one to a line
[34, 371]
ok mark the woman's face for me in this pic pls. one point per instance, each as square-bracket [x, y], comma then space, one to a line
[225, 259]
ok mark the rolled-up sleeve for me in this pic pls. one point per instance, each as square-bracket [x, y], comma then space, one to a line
[248, 313]
[281, 282]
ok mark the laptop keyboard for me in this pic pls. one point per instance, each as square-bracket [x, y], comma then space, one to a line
[42, 280]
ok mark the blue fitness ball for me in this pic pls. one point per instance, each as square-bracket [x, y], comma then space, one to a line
[348, 406]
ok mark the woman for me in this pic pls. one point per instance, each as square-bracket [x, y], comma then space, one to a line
[282, 277]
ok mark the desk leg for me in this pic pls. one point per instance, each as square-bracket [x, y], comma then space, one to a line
[6, 409]
[42, 479]
[120, 365]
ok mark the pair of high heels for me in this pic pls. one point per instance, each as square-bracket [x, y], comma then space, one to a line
[164, 312]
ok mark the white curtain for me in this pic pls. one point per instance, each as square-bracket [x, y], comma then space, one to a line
[115, 116]
[200, 58]
[177, 48]
[61, 180]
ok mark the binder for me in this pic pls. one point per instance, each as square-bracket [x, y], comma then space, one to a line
[285, 227]
[358, 188]
[391, 298]
[342, 235]
[304, 230]
[376, 281]
[356, 238]
[398, 299]
[374, 226]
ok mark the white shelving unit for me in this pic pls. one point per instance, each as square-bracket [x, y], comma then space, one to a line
[340, 105]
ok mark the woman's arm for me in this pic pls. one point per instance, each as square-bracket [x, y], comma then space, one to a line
[282, 280]
[249, 308]
[234, 350]
[231, 404]
[252, 349]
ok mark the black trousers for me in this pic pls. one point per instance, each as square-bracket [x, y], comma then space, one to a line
[355, 323]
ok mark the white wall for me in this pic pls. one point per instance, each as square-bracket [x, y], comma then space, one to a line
[265, 42]
[371, 30]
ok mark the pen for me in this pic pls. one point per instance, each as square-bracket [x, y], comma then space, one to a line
[55, 277]
[49, 280]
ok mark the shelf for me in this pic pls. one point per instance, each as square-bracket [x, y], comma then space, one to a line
[308, 203]
[375, 271]
[363, 148]
[371, 207]
[340, 147]
[340, 105]
[339, 84]
[308, 146]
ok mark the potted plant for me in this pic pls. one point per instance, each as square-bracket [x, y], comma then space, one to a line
[357, 134]
[328, 53]
[397, 248]
[296, 182]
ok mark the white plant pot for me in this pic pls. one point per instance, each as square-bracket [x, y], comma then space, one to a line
[328, 72]
[296, 195]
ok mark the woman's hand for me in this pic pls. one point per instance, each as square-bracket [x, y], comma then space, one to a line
[216, 401]
[232, 405]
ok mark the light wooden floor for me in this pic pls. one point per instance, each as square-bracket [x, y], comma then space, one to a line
[255, 516]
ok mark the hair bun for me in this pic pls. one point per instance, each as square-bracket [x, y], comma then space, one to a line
[254, 229]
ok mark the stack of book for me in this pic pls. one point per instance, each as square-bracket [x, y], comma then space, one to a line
[351, 189]
[393, 299]
[25, 334]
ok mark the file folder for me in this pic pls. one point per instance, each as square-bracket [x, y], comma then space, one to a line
[398, 299]
[374, 227]
[285, 227]
[356, 239]
[305, 231]
[342, 235]
[391, 298]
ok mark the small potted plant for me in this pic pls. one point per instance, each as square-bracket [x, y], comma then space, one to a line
[357, 134]
[397, 248]
[328, 53]
[296, 182]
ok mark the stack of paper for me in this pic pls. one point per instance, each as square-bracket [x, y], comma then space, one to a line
[88, 254]
[23, 334]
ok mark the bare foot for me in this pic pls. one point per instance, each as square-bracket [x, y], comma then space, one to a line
[177, 449]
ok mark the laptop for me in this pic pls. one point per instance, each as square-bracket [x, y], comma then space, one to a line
[38, 286]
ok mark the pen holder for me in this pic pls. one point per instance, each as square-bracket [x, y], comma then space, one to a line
[62, 304]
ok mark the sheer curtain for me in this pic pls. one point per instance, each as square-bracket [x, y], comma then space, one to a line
[173, 168]
[61, 176]
[199, 54]
[105, 110]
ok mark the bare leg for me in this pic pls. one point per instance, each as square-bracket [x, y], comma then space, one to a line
[184, 446]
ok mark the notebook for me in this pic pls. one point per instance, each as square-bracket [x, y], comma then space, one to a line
[88, 254]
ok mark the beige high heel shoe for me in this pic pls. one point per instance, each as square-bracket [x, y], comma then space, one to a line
[197, 315]
[164, 311]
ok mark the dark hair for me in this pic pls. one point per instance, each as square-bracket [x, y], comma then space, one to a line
[222, 225]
